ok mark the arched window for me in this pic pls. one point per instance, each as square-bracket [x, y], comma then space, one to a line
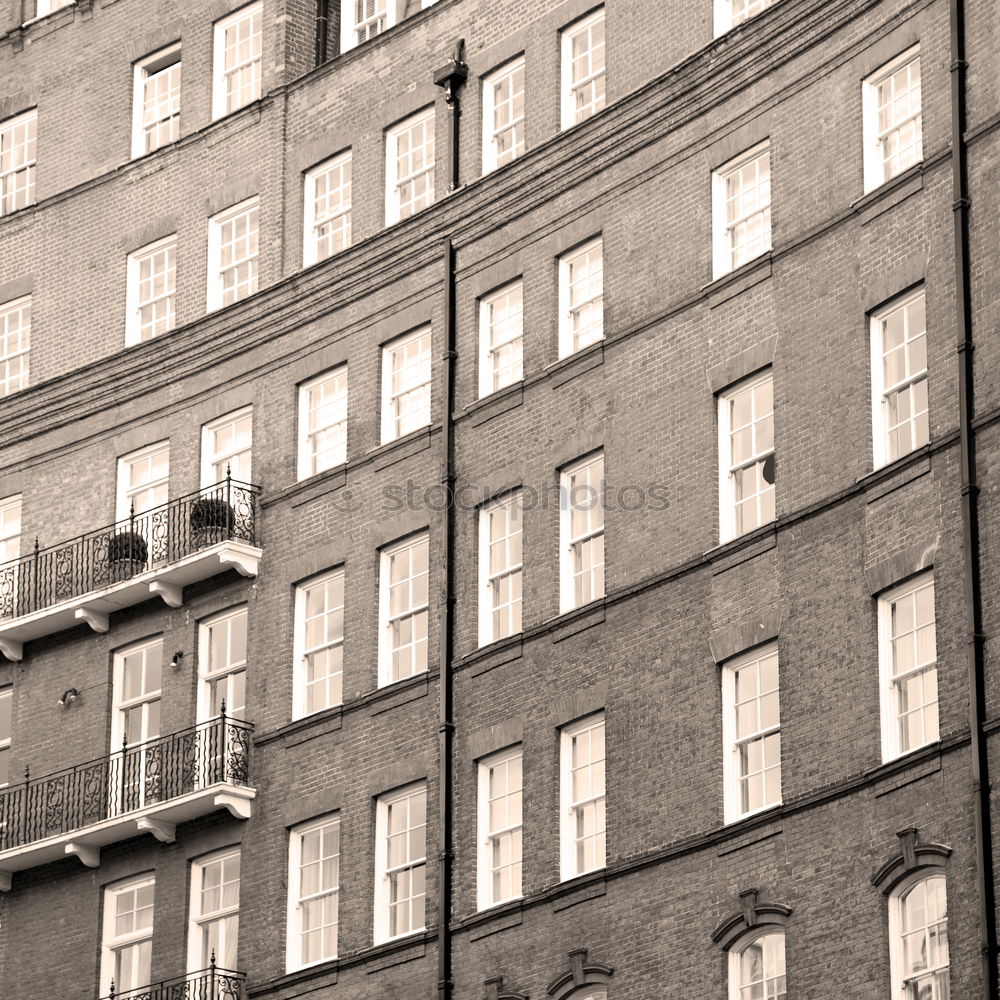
[918, 935]
[757, 966]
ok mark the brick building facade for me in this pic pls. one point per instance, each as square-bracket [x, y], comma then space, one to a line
[733, 250]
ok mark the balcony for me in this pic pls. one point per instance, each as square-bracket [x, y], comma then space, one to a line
[212, 983]
[157, 552]
[149, 787]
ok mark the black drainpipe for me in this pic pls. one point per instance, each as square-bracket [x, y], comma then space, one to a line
[970, 512]
[446, 727]
[322, 29]
[450, 77]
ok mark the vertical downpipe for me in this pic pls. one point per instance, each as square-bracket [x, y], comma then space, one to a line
[446, 727]
[970, 512]
[450, 78]
[322, 30]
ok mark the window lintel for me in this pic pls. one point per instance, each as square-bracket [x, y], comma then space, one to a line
[913, 857]
[752, 916]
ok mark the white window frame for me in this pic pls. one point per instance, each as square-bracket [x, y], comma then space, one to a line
[726, 17]
[512, 337]
[301, 652]
[881, 451]
[134, 303]
[485, 895]
[390, 408]
[897, 967]
[220, 90]
[393, 205]
[505, 73]
[10, 540]
[29, 119]
[727, 485]
[217, 285]
[382, 871]
[21, 308]
[569, 343]
[108, 938]
[737, 987]
[336, 380]
[512, 506]
[210, 457]
[891, 740]
[161, 61]
[568, 542]
[45, 7]
[349, 23]
[722, 227]
[7, 707]
[339, 166]
[875, 168]
[209, 673]
[293, 937]
[731, 743]
[197, 961]
[568, 868]
[123, 502]
[568, 117]
[386, 672]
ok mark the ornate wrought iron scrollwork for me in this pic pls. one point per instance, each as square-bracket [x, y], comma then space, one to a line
[237, 754]
[244, 509]
[8, 589]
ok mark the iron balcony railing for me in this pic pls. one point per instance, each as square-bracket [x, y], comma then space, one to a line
[212, 983]
[129, 779]
[141, 542]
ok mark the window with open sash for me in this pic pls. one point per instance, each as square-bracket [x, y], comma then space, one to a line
[746, 456]
[156, 117]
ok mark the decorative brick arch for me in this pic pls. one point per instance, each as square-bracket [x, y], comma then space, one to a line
[752, 914]
[581, 974]
[913, 857]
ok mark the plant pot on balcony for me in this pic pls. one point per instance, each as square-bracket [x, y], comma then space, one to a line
[127, 553]
[212, 520]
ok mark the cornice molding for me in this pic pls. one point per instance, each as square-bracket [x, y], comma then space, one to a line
[685, 93]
